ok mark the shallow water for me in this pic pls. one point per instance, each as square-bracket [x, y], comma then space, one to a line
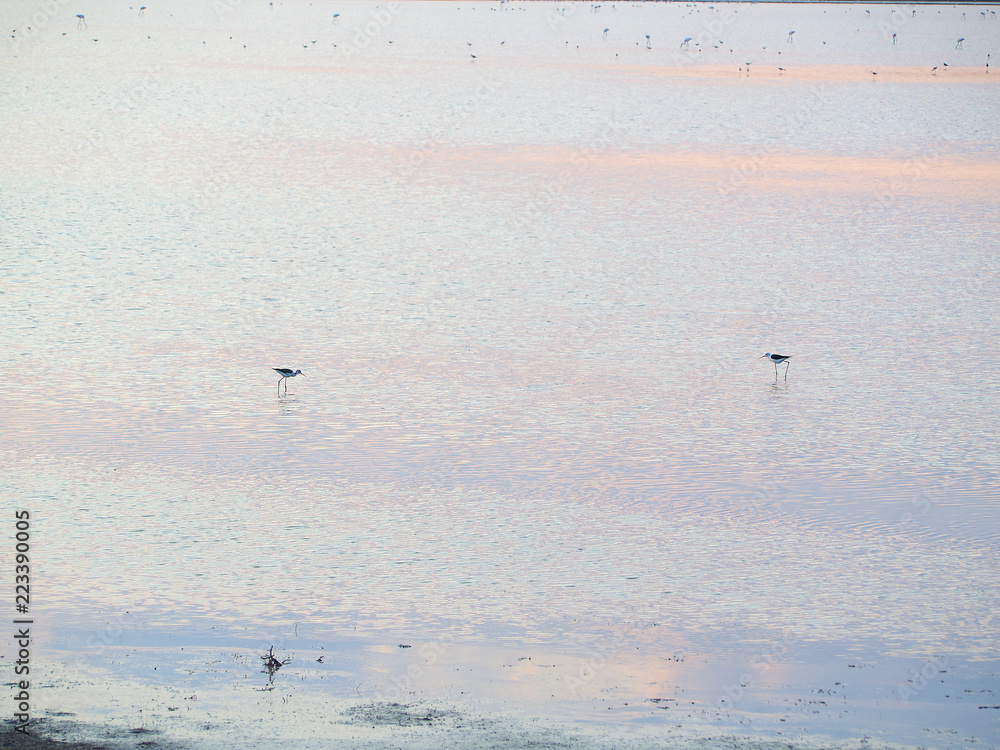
[528, 291]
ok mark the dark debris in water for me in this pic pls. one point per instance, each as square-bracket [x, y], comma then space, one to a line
[658, 702]
[272, 664]
[66, 734]
[399, 715]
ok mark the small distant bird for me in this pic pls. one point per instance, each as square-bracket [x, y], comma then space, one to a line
[934, 70]
[605, 36]
[776, 359]
[686, 44]
[648, 43]
[790, 34]
[472, 56]
[875, 75]
[959, 45]
[285, 374]
[82, 23]
[142, 9]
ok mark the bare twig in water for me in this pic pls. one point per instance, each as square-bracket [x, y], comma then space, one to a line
[272, 664]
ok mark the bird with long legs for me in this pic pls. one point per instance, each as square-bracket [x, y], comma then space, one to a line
[776, 359]
[285, 374]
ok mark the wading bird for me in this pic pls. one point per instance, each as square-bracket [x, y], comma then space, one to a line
[775, 359]
[285, 374]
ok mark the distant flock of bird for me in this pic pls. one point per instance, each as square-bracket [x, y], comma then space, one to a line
[685, 44]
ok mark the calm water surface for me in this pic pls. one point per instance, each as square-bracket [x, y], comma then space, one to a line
[528, 291]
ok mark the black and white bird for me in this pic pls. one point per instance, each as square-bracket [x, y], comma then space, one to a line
[775, 359]
[285, 374]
